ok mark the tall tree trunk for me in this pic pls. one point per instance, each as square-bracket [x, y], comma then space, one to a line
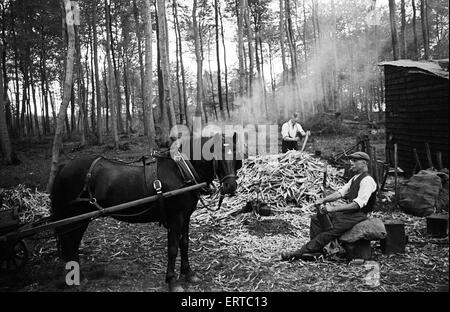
[304, 34]
[148, 77]
[112, 81]
[16, 76]
[115, 62]
[80, 87]
[403, 51]
[46, 124]
[105, 81]
[213, 103]
[392, 15]
[243, 5]
[250, 49]
[55, 120]
[57, 142]
[219, 76]
[167, 113]
[72, 112]
[284, 75]
[23, 122]
[199, 59]
[424, 20]
[177, 64]
[224, 63]
[126, 62]
[97, 78]
[9, 156]
[141, 70]
[90, 71]
[414, 25]
[35, 115]
[183, 76]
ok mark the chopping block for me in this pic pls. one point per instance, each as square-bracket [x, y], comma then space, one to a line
[358, 250]
[437, 225]
[396, 239]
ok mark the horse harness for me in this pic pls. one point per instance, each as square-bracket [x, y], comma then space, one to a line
[185, 168]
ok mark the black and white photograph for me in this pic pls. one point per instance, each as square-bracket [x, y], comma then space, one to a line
[235, 152]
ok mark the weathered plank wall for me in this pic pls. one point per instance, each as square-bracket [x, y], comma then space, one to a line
[416, 112]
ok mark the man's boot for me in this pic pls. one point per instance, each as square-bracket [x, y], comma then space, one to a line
[291, 255]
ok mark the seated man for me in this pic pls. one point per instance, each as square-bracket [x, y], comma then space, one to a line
[359, 191]
[289, 133]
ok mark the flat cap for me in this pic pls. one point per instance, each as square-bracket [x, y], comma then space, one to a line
[359, 155]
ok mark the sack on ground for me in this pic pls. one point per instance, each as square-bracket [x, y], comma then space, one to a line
[370, 229]
[419, 195]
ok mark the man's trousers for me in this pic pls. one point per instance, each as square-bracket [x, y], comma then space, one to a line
[342, 222]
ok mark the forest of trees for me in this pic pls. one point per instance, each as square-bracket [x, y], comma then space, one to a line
[110, 67]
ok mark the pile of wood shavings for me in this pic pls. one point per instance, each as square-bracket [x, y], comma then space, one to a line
[283, 181]
[31, 205]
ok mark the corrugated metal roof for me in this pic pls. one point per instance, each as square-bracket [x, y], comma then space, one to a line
[438, 68]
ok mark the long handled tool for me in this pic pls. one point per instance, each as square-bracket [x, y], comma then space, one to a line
[304, 142]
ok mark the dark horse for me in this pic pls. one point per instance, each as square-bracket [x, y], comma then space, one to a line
[86, 184]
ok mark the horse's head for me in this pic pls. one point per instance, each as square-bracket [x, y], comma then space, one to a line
[213, 157]
[226, 163]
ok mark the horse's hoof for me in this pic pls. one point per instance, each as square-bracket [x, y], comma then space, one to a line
[176, 288]
[192, 278]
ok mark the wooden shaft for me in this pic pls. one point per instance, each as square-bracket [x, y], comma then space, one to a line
[27, 232]
[439, 160]
[416, 157]
[395, 172]
[375, 164]
[430, 162]
[324, 182]
[304, 142]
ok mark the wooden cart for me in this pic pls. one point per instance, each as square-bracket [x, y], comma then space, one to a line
[13, 249]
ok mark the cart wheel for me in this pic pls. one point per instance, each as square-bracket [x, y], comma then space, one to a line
[15, 257]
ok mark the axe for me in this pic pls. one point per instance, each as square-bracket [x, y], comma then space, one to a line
[304, 142]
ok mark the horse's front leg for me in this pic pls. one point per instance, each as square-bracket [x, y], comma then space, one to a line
[173, 236]
[185, 269]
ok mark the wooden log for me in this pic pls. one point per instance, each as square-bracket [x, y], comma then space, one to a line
[416, 157]
[437, 225]
[440, 165]
[385, 175]
[395, 173]
[395, 240]
[430, 162]
[375, 164]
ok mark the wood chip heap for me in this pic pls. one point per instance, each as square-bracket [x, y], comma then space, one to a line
[292, 180]
[32, 205]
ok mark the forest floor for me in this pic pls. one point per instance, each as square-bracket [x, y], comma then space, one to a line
[240, 253]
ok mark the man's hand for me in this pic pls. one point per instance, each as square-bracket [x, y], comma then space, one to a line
[323, 209]
[308, 133]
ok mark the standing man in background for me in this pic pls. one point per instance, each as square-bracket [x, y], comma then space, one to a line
[289, 133]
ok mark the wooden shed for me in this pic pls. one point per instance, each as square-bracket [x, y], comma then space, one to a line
[417, 101]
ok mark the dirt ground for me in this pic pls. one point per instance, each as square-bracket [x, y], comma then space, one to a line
[239, 253]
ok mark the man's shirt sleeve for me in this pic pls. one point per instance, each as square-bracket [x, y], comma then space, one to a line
[300, 129]
[285, 130]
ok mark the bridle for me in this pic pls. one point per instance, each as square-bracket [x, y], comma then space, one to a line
[226, 177]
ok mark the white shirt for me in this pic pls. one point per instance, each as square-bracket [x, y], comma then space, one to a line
[290, 130]
[366, 188]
